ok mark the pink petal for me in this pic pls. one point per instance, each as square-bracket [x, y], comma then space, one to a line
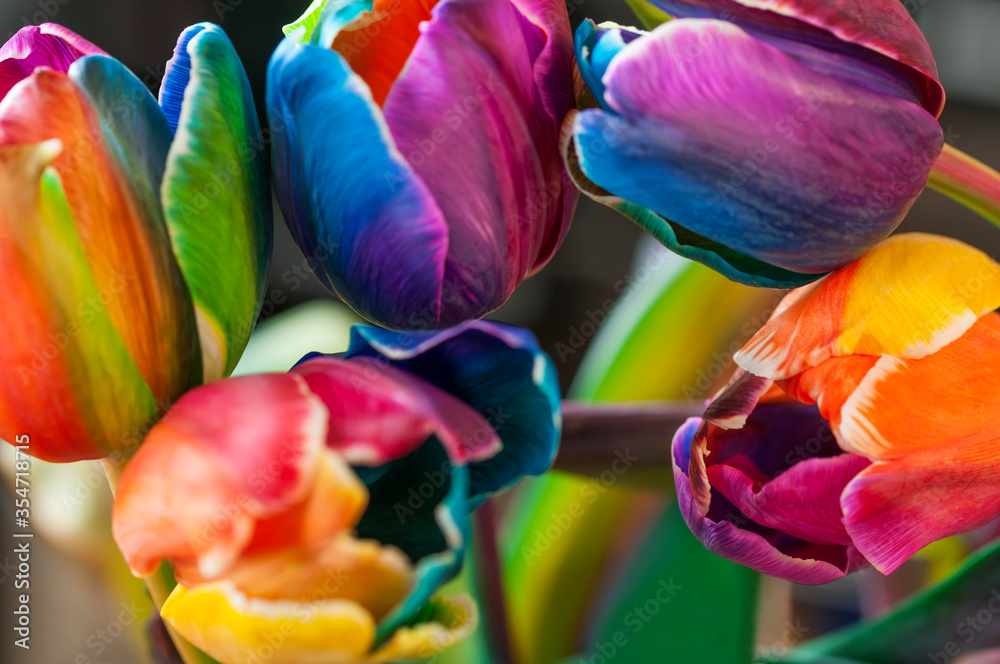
[894, 509]
[883, 28]
[379, 413]
[227, 454]
[47, 45]
[468, 115]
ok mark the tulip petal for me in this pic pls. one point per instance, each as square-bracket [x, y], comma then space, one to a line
[595, 49]
[720, 258]
[333, 505]
[804, 501]
[226, 455]
[491, 163]
[867, 36]
[46, 45]
[893, 509]
[716, 158]
[903, 406]
[420, 505]
[909, 297]
[177, 76]
[94, 400]
[373, 576]
[377, 43]
[444, 622]
[126, 243]
[380, 414]
[498, 370]
[352, 202]
[234, 629]
[217, 199]
[740, 503]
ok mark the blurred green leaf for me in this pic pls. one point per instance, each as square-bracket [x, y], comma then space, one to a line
[648, 14]
[958, 616]
[569, 541]
[277, 344]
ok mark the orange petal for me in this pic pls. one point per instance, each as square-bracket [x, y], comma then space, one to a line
[830, 384]
[226, 455]
[130, 257]
[334, 505]
[376, 45]
[909, 297]
[68, 381]
[902, 406]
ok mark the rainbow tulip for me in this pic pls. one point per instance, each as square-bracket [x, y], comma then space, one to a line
[865, 423]
[416, 152]
[328, 504]
[773, 141]
[135, 236]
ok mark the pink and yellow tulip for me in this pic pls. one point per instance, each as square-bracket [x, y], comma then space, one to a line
[328, 504]
[135, 236]
[865, 421]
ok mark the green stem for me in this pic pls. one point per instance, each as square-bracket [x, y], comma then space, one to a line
[161, 583]
[967, 181]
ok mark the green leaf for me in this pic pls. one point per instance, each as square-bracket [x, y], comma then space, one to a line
[957, 616]
[678, 598]
[648, 14]
[217, 201]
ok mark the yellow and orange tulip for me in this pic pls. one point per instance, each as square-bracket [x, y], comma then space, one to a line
[865, 424]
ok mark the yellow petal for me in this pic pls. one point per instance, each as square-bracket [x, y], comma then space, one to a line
[909, 297]
[235, 629]
[374, 576]
[452, 620]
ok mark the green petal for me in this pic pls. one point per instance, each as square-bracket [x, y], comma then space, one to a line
[318, 13]
[217, 201]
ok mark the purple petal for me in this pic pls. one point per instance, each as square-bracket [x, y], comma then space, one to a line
[46, 45]
[736, 141]
[469, 117]
[728, 531]
[866, 35]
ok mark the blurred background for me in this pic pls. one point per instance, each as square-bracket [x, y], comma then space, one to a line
[77, 617]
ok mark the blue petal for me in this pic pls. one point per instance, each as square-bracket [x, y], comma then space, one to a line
[497, 369]
[420, 504]
[352, 202]
[595, 49]
[177, 76]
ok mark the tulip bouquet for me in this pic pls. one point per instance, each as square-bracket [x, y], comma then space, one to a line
[367, 505]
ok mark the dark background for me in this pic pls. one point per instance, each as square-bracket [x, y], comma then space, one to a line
[596, 254]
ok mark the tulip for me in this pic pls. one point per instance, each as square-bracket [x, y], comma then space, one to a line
[865, 423]
[328, 504]
[135, 236]
[772, 141]
[416, 152]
